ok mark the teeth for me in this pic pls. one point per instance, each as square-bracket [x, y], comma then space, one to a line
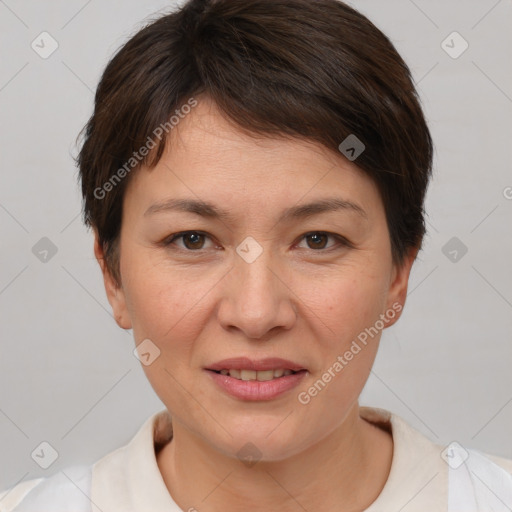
[261, 376]
[235, 374]
[248, 374]
[265, 375]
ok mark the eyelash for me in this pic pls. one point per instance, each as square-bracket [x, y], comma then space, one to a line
[342, 242]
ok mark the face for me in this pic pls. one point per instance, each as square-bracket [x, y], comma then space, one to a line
[268, 278]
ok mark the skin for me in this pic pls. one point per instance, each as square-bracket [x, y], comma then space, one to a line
[304, 299]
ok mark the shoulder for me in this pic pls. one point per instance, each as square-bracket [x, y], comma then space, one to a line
[454, 477]
[69, 489]
[505, 464]
[10, 498]
[479, 481]
[111, 479]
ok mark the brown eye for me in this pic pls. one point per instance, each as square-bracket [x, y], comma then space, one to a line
[318, 240]
[191, 240]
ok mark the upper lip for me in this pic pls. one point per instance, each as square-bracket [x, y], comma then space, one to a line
[245, 363]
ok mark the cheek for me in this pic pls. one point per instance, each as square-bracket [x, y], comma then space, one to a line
[167, 304]
[350, 308]
[351, 302]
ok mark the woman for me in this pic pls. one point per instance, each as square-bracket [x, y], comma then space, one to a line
[255, 174]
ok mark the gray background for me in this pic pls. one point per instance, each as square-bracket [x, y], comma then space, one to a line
[68, 375]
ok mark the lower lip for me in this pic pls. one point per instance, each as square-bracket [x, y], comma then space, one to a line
[255, 389]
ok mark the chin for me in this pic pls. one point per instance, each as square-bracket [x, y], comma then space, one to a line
[262, 438]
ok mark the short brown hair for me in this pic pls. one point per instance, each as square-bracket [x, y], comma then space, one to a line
[307, 68]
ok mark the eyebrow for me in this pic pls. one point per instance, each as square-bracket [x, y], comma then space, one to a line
[205, 209]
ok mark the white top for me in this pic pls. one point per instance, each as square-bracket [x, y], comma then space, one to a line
[424, 477]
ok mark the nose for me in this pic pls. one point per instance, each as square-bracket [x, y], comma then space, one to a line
[257, 299]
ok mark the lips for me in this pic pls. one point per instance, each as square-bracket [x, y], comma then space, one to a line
[261, 375]
[256, 380]
[244, 363]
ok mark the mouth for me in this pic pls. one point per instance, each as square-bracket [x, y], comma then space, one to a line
[261, 375]
[248, 379]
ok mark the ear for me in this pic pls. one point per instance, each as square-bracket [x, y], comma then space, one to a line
[115, 293]
[397, 292]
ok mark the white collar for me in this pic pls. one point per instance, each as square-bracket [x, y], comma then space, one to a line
[129, 480]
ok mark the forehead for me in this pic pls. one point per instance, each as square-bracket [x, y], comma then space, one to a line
[209, 158]
[207, 133]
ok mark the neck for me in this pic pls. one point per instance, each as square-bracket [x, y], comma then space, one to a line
[343, 472]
